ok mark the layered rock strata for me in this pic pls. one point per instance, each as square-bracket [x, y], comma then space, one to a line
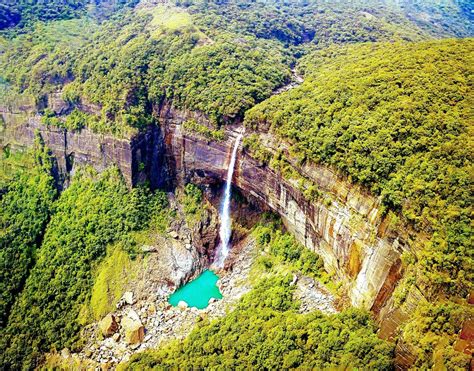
[344, 224]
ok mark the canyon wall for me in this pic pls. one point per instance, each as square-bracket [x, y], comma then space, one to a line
[139, 158]
[344, 224]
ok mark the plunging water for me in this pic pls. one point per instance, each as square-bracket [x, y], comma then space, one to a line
[225, 230]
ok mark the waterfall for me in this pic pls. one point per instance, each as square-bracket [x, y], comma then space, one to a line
[225, 230]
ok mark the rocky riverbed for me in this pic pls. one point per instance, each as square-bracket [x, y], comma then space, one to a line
[145, 319]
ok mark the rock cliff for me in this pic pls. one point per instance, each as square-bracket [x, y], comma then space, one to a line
[344, 224]
[138, 158]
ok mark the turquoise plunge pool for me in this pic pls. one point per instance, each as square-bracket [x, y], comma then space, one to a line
[197, 292]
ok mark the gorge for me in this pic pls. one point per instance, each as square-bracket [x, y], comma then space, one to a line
[236, 185]
[345, 226]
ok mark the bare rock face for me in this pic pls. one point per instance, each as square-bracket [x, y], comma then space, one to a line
[348, 232]
[139, 158]
[133, 328]
[108, 325]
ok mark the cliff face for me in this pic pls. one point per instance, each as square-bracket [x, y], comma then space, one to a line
[344, 224]
[138, 159]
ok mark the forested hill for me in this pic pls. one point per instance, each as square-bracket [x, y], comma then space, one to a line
[23, 13]
[95, 60]
[386, 103]
[397, 119]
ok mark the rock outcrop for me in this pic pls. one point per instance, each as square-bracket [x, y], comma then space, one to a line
[133, 328]
[139, 158]
[344, 225]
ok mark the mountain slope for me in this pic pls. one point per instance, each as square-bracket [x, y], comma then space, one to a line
[396, 119]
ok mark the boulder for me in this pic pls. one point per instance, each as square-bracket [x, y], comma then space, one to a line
[133, 329]
[182, 304]
[65, 353]
[174, 234]
[108, 325]
[128, 297]
[151, 309]
[148, 248]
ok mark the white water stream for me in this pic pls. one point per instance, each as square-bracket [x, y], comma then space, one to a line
[225, 230]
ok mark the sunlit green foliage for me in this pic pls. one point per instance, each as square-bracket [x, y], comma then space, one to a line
[90, 214]
[226, 78]
[43, 57]
[25, 12]
[362, 111]
[194, 127]
[76, 120]
[284, 247]
[25, 206]
[396, 119]
[265, 331]
[317, 22]
[113, 273]
[124, 67]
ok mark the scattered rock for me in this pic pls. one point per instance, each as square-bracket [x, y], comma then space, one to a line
[174, 234]
[116, 337]
[65, 353]
[151, 309]
[109, 343]
[148, 248]
[295, 279]
[212, 300]
[133, 315]
[108, 325]
[128, 298]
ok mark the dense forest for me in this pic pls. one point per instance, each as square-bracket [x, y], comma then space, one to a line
[92, 213]
[396, 119]
[362, 111]
[386, 103]
[96, 62]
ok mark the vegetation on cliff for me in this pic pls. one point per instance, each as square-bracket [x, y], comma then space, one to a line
[394, 118]
[25, 207]
[219, 58]
[92, 213]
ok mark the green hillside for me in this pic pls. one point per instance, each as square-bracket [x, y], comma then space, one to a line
[397, 119]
